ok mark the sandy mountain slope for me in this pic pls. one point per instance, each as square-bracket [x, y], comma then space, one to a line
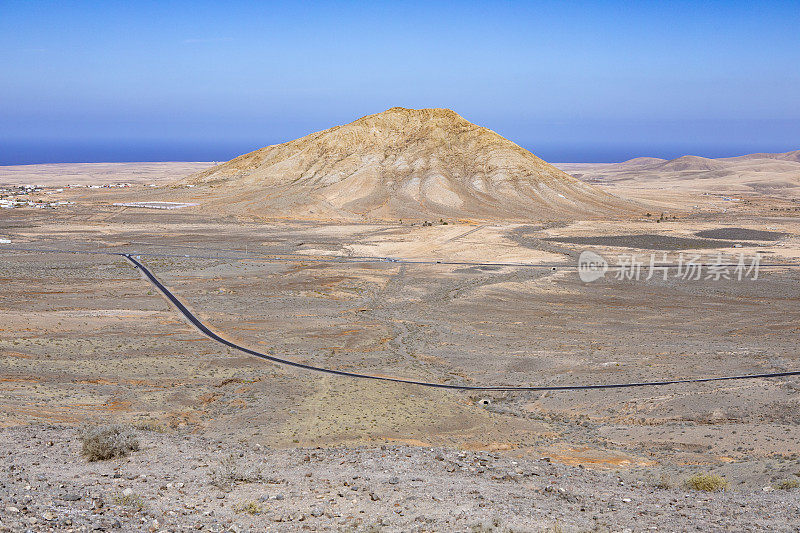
[402, 163]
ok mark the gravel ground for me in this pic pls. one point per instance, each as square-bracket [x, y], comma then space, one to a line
[645, 241]
[181, 482]
[740, 234]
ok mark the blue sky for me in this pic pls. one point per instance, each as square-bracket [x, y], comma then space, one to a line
[572, 81]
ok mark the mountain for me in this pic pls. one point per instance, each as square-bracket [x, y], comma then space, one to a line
[402, 164]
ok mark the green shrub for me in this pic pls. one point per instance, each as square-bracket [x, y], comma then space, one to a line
[707, 482]
[249, 507]
[131, 501]
[788, 484]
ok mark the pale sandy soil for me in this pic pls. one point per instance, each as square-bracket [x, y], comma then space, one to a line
[96, 173]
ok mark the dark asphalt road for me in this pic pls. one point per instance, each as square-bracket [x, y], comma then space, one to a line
[210, 334]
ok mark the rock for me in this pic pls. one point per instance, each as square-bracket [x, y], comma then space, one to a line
[98, 502]
[71, 497]
[47, 515]
[374, 497]
[316, 512]
[394, 480]
[127, 492]
[12, 510]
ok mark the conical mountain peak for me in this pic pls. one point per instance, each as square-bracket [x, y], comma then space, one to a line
[406, 163]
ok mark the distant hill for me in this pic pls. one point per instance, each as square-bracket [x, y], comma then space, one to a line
[785, 156]
[402, 163]
[764, 173]
[643, 161]
[691, 162]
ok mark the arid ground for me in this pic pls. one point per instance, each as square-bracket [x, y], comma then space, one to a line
[84, 340]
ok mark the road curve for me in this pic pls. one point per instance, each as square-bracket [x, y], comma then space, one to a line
[205, 330]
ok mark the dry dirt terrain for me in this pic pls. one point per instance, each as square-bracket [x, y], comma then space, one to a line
[230, 442]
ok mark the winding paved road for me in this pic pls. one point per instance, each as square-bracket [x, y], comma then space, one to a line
[205, 330]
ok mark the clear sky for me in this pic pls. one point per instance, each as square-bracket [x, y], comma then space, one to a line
[571, 81]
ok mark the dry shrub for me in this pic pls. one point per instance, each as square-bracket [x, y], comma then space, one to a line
[107, 442]
[664, 482]
[150, 425]
[230, 472]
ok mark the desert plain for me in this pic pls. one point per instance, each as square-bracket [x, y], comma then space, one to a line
[474, 299]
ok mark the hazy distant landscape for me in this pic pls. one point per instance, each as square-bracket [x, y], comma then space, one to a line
[399, 267]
